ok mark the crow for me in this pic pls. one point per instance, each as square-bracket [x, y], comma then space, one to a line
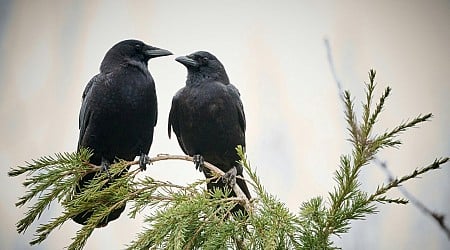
[118, 112]
[208, 118]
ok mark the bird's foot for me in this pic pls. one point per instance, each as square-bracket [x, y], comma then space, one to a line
[229, 178]
[105, 168]
[199, 162]
[143, 161]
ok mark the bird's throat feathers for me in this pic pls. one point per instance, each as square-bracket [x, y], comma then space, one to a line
[143, 66]
[196, 78]
[123, 62]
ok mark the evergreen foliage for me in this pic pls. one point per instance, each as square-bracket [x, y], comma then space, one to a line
[188, 217]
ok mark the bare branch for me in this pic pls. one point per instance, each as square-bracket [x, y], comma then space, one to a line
[331, 63]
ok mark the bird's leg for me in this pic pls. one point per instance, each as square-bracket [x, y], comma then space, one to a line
[199, 162]
[229, 178]
[105, 167]
[143, 161]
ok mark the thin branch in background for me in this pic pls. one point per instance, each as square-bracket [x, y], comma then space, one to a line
[331, 63]
[439, 218]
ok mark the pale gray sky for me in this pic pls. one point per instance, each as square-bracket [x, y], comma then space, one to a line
[275, 54]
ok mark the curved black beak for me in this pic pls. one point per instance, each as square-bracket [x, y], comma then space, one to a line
[153, 52]
[186, 61]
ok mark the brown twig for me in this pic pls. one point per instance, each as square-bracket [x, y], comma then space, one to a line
[237, 190]
[242, 199]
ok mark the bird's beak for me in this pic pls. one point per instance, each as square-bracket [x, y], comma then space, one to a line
[156, 52]
[186, 61]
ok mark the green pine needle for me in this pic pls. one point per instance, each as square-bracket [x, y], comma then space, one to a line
[188, 217]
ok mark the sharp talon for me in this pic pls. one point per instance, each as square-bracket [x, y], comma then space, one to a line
[143, 161]
[199, 162]
[229, 178]
[105, 167]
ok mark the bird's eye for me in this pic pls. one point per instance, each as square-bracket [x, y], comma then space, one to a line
[137, 46]
[204, 60]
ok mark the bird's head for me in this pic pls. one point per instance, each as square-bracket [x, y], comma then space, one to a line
[202, 65]
[132, 50]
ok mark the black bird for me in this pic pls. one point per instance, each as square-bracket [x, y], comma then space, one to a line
[118, 112]
[208, 118]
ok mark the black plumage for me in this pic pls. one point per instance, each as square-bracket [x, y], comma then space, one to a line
[119, 111]
[207, 116]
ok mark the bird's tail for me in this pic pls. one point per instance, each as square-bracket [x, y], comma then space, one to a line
[84, 216]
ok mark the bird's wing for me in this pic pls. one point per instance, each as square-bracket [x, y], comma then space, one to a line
[239, 106]
[174, 122]
[156, 114]
[88, 86]
[173, 118]
[83, 120]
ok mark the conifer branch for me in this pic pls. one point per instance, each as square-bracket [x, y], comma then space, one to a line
[54, 178]
[188, 217]
[237, 190]
[384, 142]
[395, 182]
[347, 201]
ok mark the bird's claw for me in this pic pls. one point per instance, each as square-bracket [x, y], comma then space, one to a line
[229, 178]
[143, 161]
[199, 162]
[105, 168]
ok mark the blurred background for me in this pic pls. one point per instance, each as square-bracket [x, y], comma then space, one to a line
[274, 52]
